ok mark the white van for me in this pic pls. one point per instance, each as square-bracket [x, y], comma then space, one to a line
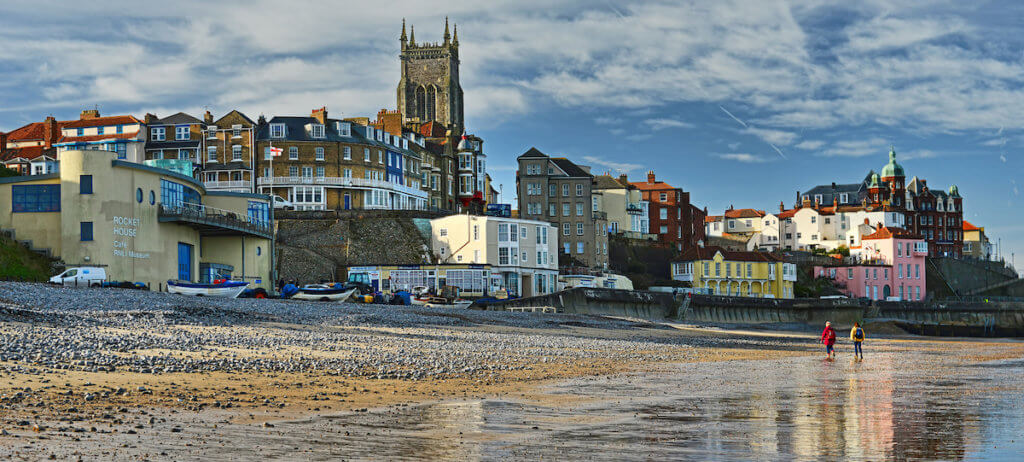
[282, 203]
[84, 276]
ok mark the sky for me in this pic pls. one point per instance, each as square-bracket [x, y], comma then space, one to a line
[741, 103]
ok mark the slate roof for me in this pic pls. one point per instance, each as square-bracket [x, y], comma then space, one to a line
[88, 138]
[171, 144]
[707, 253]
[607, 182]
[570, 168]
[532, 153]
[295, 130]
[177, 119]
[828, 195]
[235, 111]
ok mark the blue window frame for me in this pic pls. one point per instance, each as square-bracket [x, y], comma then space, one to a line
[85, 184]
[259, 211]
[99, 130]
[86, 231]
[122, 150]
[138, 195]
[81, 131]
[35, 198]
[174, 194]
[152, 197]
[120, 129]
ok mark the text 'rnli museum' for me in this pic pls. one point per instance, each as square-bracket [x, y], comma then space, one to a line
[142, 223]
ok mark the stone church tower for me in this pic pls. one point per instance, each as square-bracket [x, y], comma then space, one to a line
[429, 89]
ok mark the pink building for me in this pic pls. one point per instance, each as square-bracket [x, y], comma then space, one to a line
[890, 262]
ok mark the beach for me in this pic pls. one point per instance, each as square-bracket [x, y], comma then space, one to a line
[122, 374]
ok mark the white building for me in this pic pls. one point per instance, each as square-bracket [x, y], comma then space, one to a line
[522, 254]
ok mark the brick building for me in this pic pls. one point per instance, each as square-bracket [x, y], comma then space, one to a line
[672, 217]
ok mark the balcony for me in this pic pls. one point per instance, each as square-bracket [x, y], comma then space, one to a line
[600, 215]
[210, 221]
[342, 182]
[228, 185]
[634, 209]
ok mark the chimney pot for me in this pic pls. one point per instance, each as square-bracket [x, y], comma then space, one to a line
[624, 179]
[208, 117]
[89, 114]
[650, 176]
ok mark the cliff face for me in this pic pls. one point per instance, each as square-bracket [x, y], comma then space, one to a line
[311, 250]
[646, 263]
[21, 264]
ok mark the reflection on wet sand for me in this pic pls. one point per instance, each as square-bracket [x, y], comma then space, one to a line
[893, 406]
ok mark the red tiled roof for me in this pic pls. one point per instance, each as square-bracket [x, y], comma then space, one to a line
[433, 129]
[32, 131]
[27, 152]
[707, 253]
[884, 232]
[744, 213]
[712, 218]
[87, 138]
[656, 186]
[787, 214]
[101, 121]
[970, 227]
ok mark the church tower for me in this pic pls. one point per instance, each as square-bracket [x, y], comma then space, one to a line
[429, 89]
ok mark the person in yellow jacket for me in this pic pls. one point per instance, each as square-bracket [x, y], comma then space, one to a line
[857, 335]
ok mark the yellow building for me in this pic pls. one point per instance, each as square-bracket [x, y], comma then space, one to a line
[976, 243]
[141, 223]
[738, 274]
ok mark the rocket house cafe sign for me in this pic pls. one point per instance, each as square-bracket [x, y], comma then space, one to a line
[126, 228]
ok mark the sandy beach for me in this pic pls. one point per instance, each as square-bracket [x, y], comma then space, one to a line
[120, 374]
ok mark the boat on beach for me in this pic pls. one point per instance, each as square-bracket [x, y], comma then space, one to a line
[225, 289]
[324, 292]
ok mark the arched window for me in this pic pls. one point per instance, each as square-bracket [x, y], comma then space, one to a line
[431, 106]
[421, 103]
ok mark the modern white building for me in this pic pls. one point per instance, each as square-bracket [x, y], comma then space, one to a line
[522, 254]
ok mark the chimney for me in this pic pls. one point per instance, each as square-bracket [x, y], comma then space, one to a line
[51, 133]
[835, 202]
[262, 120]
[89, 114]
[149, 118]
[833, 185]
[320, 115]
[3, 141]
[208, 118]
[650, 176]
[782, 207]
[624, 179]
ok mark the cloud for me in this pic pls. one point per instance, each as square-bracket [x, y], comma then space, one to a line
[604, 120]
[776, 137]
[810, 145]
[640, 137]
[995, 142]
[733, 146]
[621, 167]
[856, 148]
[661, 124]
[743, 157]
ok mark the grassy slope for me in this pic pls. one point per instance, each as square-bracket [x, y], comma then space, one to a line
[17, 262]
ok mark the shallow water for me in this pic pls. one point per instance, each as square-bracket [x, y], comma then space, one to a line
[891, 406]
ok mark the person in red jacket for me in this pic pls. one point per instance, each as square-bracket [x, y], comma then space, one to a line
[828, 338]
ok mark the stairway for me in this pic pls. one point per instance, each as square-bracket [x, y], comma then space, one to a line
[27, 243]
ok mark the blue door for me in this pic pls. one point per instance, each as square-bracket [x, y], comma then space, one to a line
[184, 261]
[348, 202]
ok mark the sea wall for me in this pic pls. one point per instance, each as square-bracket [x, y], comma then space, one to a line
[600, 301]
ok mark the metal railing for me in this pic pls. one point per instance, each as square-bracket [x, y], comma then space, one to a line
[339, 181]
[212, 216]
[228, 184]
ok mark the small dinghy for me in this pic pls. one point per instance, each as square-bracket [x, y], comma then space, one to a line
[324, 292]
[225, 289]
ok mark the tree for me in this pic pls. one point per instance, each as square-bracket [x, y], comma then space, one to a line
[5, 172]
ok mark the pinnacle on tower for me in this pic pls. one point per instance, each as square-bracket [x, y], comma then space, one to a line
[404, 38]
[412, 36]
[455, 40]
[447, 36]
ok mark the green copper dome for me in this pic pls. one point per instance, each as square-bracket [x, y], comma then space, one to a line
[874, 181]
[892, 168]
[954, 191]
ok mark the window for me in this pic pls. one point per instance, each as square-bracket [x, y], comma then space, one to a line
[120, 129]
[565, 210]
[293, 171]
[522, 232]
[579, 229]
[236, 152]
[828, 220]
[277, 130]
[182, 132]
[844, 198]
[663, 197]
[579, 247]
[663, 229]
[320, 153]
[579, 190]
[156, 133]
[293, 153]
[174, 194]
[917, 271]
[579, 209]
[35, 198]
[565, 248]
[663, 214]
[85, 184]
[513, 233]
[552, 190]
[814, 219]
[318, 130]
[380, 157]
[138, 195]
[565, 229]
[320, 172]
[211, 154]
[307, 172]
[503, 255]
[552, 210]
[152, 197]
[565, 190]
[99, 130]
[502, 232]
[86, 231]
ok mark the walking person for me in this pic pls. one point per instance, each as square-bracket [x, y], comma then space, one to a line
[828, 338]
[857, 335]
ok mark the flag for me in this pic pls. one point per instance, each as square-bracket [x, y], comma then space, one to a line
[276, 152]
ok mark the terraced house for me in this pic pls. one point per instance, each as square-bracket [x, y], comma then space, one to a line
[735, 273]
[337, 164]
[431, 144]
[176, 137]
[29, 150]
[228, 145]
[122, 135]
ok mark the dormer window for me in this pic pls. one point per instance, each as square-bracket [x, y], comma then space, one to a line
[277, 130]
[369, 132]
[344, 129]
[405, 143]
[380, 135]
[844, 198]
[211, 131]
[156, 133]
[182, 132]
[317, 131]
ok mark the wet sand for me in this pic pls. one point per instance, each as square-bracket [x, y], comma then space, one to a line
[733, 395]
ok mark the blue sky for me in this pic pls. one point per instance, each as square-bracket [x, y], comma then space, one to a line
[740, 103]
